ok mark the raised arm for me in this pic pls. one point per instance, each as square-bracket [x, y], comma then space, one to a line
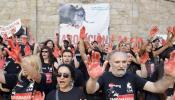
[95, 71]
[81, 44]
[159, 86]
[2, 77]
[168, 78]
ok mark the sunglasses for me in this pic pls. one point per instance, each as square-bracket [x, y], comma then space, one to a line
[123, 45]
[44, 51]
[65, 75]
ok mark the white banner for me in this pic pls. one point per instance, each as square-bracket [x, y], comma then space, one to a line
[10, 29]
[95, 18]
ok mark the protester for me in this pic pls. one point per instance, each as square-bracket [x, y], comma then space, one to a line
[67, 58]
[26, 84]
[66, 89]
[118, 84]
[49, 67]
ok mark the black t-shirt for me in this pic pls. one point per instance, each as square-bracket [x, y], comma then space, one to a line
[154, 72]
[83, 69]
[50, 78]
[123, 88]
[11, 67]
[23, 88]
[133, 67]
[79, 80]
[74, 94]
[11, 80]
[103, 57]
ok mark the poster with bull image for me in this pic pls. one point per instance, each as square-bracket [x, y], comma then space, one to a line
[94, 17]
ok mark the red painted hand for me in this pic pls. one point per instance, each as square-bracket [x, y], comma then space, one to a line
[169, 29]
[144, 58]
[93, 66]
[173, 30]
[112, 37]
[169, 67]
[27, 50]
[15, 51]
[2, 62]
[110, 48]
[32, 40]
[135, 48]
[153, 31]
[83, 35]
[56, 52]
[99, 39]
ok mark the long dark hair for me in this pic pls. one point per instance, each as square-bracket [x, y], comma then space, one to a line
[50, 55]
[49, 40]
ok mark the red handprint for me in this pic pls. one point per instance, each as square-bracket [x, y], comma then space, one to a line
[144, 58]
[99, 38]
[27, 50]
[32, 40]
[120, 38]
[169, 29]
[132, 40]
[15, 51]
[112, 37]
[136, 48]
[140, 40]
[56, 52]
[153, 31]
[163, 42]
[169, 65]
[110, 48]
[83, 35]
[125, 39]
[172, 55]
[11, 43]
[93, 66]
[173, 30]
[2, 62]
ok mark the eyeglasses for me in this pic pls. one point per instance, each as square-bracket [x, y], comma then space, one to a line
[44, 51]
[65, 75]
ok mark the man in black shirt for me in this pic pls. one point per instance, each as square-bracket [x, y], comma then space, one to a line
[118, 84]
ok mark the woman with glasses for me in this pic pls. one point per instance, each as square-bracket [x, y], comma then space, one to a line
[48, 68]
[66, 89]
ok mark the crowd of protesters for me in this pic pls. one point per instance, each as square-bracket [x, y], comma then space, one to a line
[132, 69]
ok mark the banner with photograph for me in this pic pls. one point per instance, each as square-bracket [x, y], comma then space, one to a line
[94, 17]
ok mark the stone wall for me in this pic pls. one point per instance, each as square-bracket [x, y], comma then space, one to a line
[127, 17]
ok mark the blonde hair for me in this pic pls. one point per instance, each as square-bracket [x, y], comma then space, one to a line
[33, 60]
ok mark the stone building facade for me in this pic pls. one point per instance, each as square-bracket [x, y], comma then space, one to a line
[127, 17]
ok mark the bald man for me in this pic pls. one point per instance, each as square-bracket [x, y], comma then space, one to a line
[118, 84]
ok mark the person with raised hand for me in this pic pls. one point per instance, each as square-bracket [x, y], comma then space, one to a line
[118, 84]
[15, 50]
[28, 84]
